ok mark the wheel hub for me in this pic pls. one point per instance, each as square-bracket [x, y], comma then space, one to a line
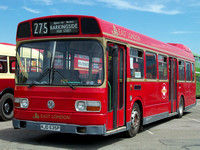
[135, 119]
[6, 107]
[181, 108]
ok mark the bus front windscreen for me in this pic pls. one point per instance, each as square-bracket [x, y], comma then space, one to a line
[70, 62]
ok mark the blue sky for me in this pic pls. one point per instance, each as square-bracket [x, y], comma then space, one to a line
[170, 21]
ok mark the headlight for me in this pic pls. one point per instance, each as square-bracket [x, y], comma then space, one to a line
[81, 106]
[21, 103]
[90, 106]
[24, 103]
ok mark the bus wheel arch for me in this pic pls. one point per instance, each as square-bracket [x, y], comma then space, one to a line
[181, 106]
[136, 119]
[7, 90]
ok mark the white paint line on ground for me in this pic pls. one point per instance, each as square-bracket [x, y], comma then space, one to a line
[150, 132]
[195, 108]
[192, 119]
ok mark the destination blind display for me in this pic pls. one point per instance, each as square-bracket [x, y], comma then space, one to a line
[59, 27]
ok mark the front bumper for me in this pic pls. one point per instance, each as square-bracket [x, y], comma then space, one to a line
[64, 128]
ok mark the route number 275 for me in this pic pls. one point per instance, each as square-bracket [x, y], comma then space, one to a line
[40, 28]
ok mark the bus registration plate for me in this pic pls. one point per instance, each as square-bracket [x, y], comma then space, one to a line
[50, 127]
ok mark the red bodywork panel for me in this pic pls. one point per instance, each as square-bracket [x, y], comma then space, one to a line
[7, 83]
[64, 110]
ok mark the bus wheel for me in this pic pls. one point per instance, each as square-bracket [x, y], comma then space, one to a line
[181, 107]
[6, 107]
[135, 121]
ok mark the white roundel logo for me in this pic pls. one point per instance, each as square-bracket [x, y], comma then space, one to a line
[164, 91]
[50, 104]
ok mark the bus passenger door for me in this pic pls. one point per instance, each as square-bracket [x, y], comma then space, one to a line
[116, 84]
[173, 84]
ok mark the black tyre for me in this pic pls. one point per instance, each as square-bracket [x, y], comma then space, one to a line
[135, 121]
[181, 108]
[6, 107]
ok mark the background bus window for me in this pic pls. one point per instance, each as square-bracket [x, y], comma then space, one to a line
[3, 64]
[97, 69]
[34, 65]
[12, 64]
[181, 71]
[58, 62]
[151, 67]
[188, 72]
[162, 62]
[136, 63]
[81, 64]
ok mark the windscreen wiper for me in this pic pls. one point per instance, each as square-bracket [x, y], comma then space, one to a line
[42, 75]
[69, 84]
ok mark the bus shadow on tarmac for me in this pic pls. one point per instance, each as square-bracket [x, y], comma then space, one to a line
[71, 141]
[57, 140]
[163, 121]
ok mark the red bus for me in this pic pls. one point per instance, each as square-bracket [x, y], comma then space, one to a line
[95, 77]
[7, 70]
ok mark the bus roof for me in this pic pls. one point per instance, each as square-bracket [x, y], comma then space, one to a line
[102, 28]
[114, 31]
[7, 49]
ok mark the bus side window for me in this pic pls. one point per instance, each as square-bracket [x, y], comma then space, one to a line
[12, 67]
[188, 72]
[151, 65]
[181, 71]
[162, 63]
[12, 64]
[3, 64]
[136, 63]
[1, 67]
[193, 72]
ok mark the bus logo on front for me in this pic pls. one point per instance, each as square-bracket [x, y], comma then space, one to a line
[50, 104]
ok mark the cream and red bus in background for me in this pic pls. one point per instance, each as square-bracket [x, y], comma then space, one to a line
[7, 83]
